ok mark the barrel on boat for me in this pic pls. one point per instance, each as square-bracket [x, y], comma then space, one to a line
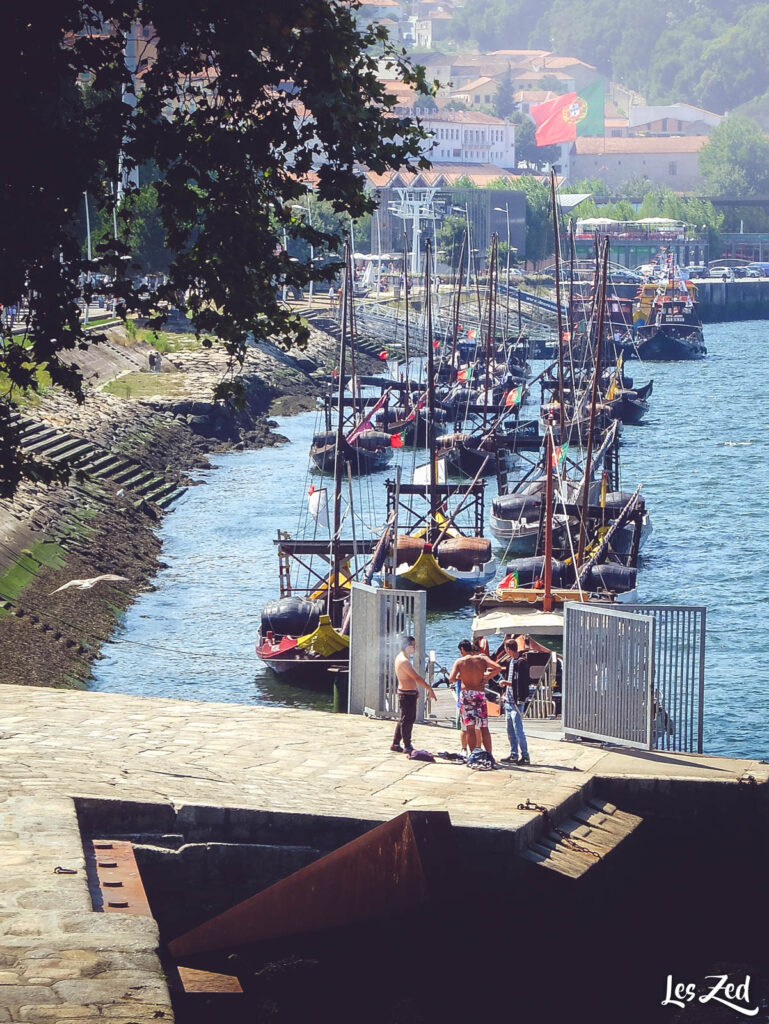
[408, 549]
[529, 570]
[290, 616]
[617, 578]
[516, 506]
[463, 553]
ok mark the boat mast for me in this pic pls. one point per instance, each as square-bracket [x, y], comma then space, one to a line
[572, 255]
[339, 441]
[489, 344]
[593, 401]
[452, 368]
[547, 602]
[431, 445]
[557, 247]
[409, 403]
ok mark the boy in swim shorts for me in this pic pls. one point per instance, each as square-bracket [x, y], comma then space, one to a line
[473, 669]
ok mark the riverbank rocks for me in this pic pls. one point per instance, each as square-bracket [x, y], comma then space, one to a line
[106, 522]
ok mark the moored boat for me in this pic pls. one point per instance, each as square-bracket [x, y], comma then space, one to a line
[666, 323]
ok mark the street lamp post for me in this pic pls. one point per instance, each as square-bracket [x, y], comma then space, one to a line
[506, 212]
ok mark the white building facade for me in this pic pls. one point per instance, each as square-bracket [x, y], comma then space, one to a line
[466, 137]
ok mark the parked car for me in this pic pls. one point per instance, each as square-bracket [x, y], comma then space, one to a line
[696, 272]
[758, 269]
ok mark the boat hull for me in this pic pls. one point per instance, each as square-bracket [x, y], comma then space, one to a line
[360, 461]
[668, 345]
[290, 661]
[629, 408]
[518, 535]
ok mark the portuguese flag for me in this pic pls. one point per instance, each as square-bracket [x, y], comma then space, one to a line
[397, 440]
[568, 116]
[513, 397]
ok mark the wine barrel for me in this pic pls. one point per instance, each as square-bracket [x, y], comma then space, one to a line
[531, 569]
[617, 578]
[409, 549]
[290, 616]
[516, 506]
[371, 440]
[463, 553]
[323, 439]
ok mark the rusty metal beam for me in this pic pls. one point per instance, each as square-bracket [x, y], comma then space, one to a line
[119, 880]
[390, 870]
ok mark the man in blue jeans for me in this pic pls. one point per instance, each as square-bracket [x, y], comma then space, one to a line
[516, 692]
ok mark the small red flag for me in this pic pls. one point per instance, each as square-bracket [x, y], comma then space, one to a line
[383, 355]
[311, 489]
[436, 343]
[396, 440]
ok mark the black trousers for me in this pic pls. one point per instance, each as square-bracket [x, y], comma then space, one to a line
[407, 707]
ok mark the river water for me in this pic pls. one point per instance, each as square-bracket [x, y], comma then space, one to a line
[702, 458]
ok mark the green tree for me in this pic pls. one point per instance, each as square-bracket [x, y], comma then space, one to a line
[240, 105]
[735, 160]
[496, 24]
[528, 153]
[451, 234]
[734, 64]
[504, 103]
[142, 231]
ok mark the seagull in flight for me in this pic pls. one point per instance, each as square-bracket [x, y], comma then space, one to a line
[87, 584]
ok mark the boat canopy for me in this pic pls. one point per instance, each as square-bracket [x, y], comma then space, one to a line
[517, 619]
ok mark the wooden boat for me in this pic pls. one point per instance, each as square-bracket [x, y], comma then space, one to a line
[517, 516]
[362, 448]
[665, 320]
[531, 597]
[370, 452]
[622, 400]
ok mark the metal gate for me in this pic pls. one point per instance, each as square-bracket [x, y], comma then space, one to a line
[379, 619]
[679, 675]
[608, 660]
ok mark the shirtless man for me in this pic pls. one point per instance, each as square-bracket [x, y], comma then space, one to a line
[473, 670]
[408, 682]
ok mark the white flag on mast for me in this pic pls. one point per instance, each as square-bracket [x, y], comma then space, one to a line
[421, 475]
[317, 503]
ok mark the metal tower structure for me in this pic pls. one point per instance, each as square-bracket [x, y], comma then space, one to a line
[416, 205]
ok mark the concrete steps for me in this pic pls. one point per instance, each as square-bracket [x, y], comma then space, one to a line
[43, 440]
[581, 841]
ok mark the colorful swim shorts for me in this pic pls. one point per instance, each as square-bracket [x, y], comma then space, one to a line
[472, 707]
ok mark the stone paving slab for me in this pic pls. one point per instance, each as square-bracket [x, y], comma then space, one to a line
[61, 962]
